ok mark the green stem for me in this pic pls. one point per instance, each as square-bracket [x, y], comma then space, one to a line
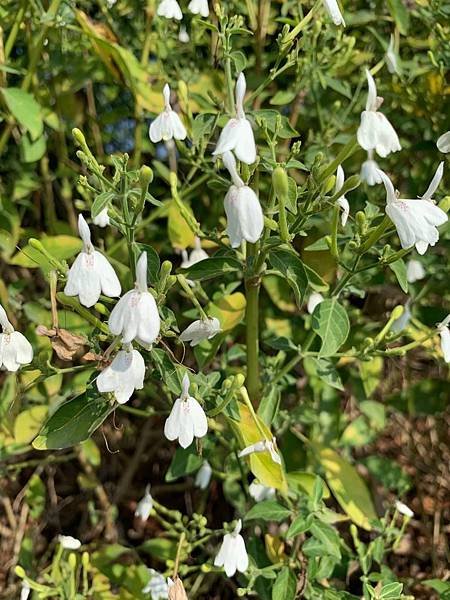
[252, 286]
[14, 30]
[334, 232]
[187, 288]
[375, 235]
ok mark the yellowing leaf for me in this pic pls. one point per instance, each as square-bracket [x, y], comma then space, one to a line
[274, 548]
[348, 486]
[28, 423]
[180, 234]
[230, 310]
[279, 292]
[262, 466]
[371, 371]
[305, 482]
[59, 246]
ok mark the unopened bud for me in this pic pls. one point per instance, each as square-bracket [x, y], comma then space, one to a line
[280, 182]
[397, 312]
[239, 380]
[145, 177]
[85, 560]
[361, 220]
[166, 268]
[72, 561]
[78, 136]
[20, 572]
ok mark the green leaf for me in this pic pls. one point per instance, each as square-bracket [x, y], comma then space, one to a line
[293, 269]
[32, 151]
[315, 280]
[271, 118]
[330, 322]
[25, 110]
[101, 202]
[328, 537]
[268, 510]
[35, 496]
[399, 269]
[184, 462]
[391, 591]
[282, 97]
[371, 372]
[202, 126]
[73, 422]
[240, 62]
[400, 14]
[347, 486]
[304, 482]
[291, 200]
[211, 267]
[298, 525]
[325, 370]
[161, 549]
[285, 585]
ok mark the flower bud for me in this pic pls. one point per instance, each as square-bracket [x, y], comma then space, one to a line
[397, 312]
[72, 561]
[280, 182]
[145, 177]
[20, 572]
[352, 245]
[361, 221]
[85, 560]
[79, 137]
[239, 379]
[444, 204]
[166, 269]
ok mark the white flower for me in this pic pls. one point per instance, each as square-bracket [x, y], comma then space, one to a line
[444, 332]
[443, 143]
[135, 316]
[203, 476]
[187, 418]
[414, 271]
[416, 220]
[245, 219]
[197, 253]
[25, 590]
[232, 555]
[199, 7]
[198, 331]
[91, 274]
[183, 35]
[102, 219]
[314, 299]
[260, 492]
[15, 349]
[124, 375]
[157, 586]
[369, 170]
[167, 124]
[68, 542]
[334, 11]
[237, 135]
[403, 509]
[403, 320]
[391, 57]
[375, 132]
[169, 9]
[145, 505]
[262, 446]
[342, 200]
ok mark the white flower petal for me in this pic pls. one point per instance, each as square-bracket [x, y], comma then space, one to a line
[203, 476]
[102, 219]
[178, 129]
[414, 271]
[84, 231]
[334, 11]
[170, 9]
[245, 147]
[434, 182]
[445, 343]
[109, 281]
[314, 300]
[68, 542]
[199, 7]
[250, 213]
[443, 143]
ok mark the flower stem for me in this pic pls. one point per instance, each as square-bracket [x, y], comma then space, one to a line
[252, 285]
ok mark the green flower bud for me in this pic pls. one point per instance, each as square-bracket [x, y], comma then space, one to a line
[72, 561]
[280, 182]
[166, 268]
[20, 572]
[239, 380]
[145, 177]
[79, 137]
[85, 560]
[397, 312]
[361, 220]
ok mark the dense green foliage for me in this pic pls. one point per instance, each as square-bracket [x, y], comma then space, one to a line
[80, 83]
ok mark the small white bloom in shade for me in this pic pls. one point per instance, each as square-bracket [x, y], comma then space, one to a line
[145, 505]
[403, 509]
[198, 331]
[403, 320]
[342, 200]
[135, 316]
[157, 586]
[444, 332]
[375, 131]
[314, 300]
[68, 542]
[369, 170]
[203, 476]
[102, 219]
[183, 35]
[233, 555]
[245, 219]
[414, 271]
[237, 135]
[391, 57]
[443, 143]
[167, 124]
[25, 590]
[124, 375]
[197, 253]
[169, 9]
[260, 492]
[262, 446]
[91, 274]
[334, 11]
[187, 418]
[199, 7]
[15, 349]
[416, 221]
